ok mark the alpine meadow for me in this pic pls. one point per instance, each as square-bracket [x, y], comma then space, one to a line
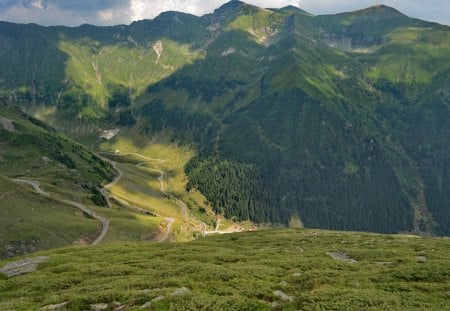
[247, 159]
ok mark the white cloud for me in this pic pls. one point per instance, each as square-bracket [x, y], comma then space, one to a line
[50, 16]
[110, 12]
[37, 4]
[141, 9]
[105, 15]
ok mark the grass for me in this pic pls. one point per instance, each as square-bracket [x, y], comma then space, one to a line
[30, 222]
[34, 151]
[259, 24]
[242, 271]
[94, 66]
[127, 225]
[140, 186]
[405, 59]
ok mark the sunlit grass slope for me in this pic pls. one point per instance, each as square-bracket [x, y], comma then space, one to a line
[143, 163]
[99, 69]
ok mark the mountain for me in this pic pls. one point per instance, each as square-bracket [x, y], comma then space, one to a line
[339, 120]
[32, 152]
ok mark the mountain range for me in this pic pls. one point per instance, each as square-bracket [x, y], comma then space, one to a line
[341, 121]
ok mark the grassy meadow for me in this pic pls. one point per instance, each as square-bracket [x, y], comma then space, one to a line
[263, 270]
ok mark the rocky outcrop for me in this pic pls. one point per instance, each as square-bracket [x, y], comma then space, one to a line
[23, 266]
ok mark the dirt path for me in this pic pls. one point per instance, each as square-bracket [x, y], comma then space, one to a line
[230, 229]
[34, 184]
[135, 154]
[116, 179]
[160, 172]
[203, 229]
[180, 204]
[169, 221]
[82, 207]
[107, 195]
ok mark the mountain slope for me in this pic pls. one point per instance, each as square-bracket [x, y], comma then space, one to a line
[31, 222]
[298, 124]
[340, 120]
[30, 150]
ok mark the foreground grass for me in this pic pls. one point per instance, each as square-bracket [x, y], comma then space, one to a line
[242, 271]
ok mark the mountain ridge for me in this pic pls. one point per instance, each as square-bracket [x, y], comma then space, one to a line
[301, 115]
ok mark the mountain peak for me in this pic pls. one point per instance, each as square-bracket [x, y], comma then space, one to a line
[233, 8]
[381, 9]
[230, 6]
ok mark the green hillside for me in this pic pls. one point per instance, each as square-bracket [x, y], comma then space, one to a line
[30, 222]
[33, 151]
[281, 270]
[314, 124]
[340, 120]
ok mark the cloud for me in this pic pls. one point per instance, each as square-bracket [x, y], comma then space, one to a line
[65, 12]
[148, 9]
[105, 15]
[110, 12]
[37, 4]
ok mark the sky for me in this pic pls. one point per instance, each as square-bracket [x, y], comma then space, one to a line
[113, 12]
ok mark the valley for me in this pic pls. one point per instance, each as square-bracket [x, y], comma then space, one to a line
[246, 159]
[144, 201]
[337, 120]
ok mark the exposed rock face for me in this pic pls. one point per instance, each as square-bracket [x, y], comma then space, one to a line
[109, 134]
[99, 306]
[158, 48]
[349, 42]
[57, 307]
[23, 266]
[228, 52]
[341, 257]
[183, 291]
[284, 283]
[282, 295]
[7, 124]
[20, 247]
[421, 258]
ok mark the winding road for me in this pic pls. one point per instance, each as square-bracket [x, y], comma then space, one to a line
[178, 202]
[107, 195]
[181, 205]
[116, 179]
[132, 153]
[169, 221]
[82, 207]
